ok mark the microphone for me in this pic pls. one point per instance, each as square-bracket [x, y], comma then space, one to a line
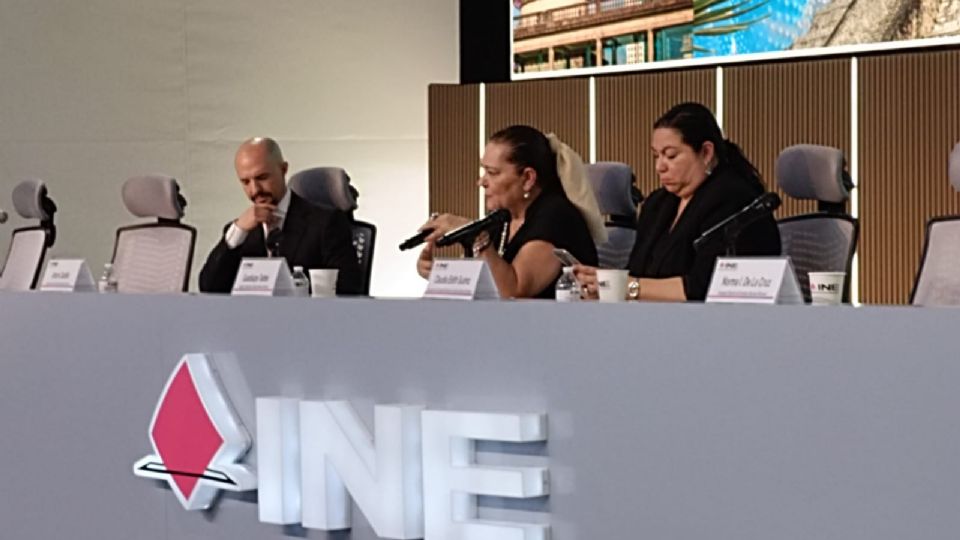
[3, 217]
[414, 240]
[472, 229]
[759, 207]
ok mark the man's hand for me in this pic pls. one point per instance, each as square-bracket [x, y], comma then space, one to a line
[257, 214]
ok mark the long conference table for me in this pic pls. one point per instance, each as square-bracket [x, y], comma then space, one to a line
[718, 422]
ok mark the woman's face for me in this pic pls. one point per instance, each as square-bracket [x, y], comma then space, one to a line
[680, 168]
[502, 183]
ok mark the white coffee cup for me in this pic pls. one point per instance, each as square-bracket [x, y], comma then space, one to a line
[826, 288]
[612, 285]
[323, 282]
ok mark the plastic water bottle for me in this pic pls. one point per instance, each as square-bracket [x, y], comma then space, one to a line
[301, 285]
[567, 288]
[108, 281]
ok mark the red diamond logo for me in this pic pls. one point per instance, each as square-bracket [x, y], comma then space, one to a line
[197, 437]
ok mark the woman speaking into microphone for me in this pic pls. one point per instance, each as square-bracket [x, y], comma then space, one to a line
[540, 181]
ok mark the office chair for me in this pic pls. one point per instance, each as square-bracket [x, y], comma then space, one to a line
[822, 241]
[617, 196]
[329, 187]
[154, 257]
[28, 245]
[938, 280]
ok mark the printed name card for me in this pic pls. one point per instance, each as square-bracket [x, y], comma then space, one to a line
[754, 280]
[461, 279]
[67, 275]
[263, 277]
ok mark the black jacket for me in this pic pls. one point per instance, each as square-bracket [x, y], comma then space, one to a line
[660, 252]
[312, 237]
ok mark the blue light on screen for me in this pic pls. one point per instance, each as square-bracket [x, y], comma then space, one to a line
[785, 21]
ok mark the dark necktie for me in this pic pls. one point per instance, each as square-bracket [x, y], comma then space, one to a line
[273, 242]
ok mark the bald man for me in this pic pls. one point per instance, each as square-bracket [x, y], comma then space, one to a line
[279, 223]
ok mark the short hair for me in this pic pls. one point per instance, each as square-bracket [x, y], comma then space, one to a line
[271, 145]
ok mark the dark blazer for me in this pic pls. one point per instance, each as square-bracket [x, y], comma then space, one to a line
[660, 252]
[312, 237]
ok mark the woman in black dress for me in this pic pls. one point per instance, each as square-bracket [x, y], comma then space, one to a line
[540, 180]
[705, 179]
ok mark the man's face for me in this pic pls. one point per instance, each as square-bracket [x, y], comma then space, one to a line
[263, 178]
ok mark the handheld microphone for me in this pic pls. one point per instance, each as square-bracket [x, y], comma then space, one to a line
[3, 216]
[469, 231]
[415, 240]
[759, 207]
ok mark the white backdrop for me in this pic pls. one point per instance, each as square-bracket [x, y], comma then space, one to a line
[96, 91]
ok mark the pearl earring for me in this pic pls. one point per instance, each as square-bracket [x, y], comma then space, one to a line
[526, 194]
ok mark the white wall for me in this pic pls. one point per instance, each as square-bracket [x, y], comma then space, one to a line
[96, 91]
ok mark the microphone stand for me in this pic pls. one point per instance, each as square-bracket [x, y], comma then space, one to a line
[467, 248]
[730, 234]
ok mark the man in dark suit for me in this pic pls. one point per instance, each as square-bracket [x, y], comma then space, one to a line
[279, 223]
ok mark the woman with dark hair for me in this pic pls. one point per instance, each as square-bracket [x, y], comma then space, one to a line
[540, 180]
[705, 179]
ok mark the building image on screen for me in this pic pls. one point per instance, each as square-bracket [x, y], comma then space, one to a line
[560, 35]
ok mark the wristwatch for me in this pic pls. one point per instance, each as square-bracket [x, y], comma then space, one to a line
[633, 289]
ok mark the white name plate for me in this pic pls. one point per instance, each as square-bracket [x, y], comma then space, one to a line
[263, 277]
[461, 279]
[754, 280]
[67, 275]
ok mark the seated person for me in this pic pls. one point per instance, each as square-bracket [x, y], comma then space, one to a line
[705, 179]
[279, 223]
[540, 180]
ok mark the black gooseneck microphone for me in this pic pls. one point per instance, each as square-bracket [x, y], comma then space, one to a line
[415, 240]
[731, 226]
[469, 231]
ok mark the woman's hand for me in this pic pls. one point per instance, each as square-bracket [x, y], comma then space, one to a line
[442, 224]
[425, 261]
[587, 278]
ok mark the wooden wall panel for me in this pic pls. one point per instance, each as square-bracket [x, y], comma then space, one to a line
[909, 119]
[627, 107]
[769, 107]
[560, 106]
[454, 147]
[454, 152]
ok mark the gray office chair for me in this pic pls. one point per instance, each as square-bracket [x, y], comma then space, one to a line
[154, 257]
[28, 245]
[613, 186]
[823, 241]
[938, 280]
[329, 187]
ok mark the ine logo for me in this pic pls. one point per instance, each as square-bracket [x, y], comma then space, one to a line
[197, 437]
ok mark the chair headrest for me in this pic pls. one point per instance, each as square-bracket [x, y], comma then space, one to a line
[326, 187]
[611, 182]
[31, 201]
[954, 171]
[809, 171]
[153, 195]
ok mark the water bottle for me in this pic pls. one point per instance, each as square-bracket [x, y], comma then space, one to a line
[567, 288]
[301, 285]
[108, 281]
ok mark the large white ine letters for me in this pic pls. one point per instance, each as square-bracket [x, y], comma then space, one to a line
[416, 476]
